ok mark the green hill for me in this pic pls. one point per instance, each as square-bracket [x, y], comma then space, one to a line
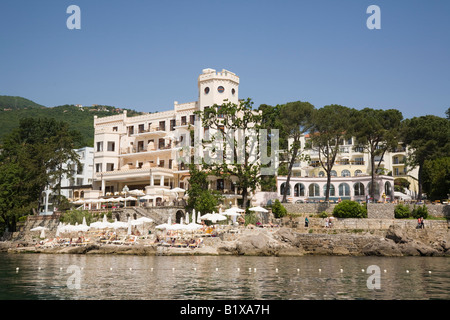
[12, 109]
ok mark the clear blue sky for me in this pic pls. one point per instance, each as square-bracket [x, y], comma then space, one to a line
[146, 54]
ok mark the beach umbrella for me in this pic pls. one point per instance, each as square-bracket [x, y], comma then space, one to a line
[147, 197]
[144, 219]
[258, 209]
[193, 226]
[79, 201]
[137, 192]
[162, 226]
[233, 211]
[187, 217]
[129, 226]
[213, 217]
[199, 220]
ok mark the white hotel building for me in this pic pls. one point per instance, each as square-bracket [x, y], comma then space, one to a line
[350, 178]
[143, 152]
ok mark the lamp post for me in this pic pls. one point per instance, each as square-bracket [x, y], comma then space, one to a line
[47, 193]
[125, 190]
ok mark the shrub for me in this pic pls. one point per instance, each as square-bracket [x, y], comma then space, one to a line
[250, 218]
[323, 214]
[420, 211]
[349, 209]
[278, 209]
[402, 212]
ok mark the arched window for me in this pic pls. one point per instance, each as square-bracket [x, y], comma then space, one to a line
[299, 190]
[358, 172]
[344, 190]
[282, 189]
[322, 174]
[333, 173]
[332, 190]
[359, 189]
[345, 173]
[314, 190]
[387, 188]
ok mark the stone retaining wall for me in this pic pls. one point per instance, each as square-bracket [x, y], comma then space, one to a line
[364, 224]
[374, 210]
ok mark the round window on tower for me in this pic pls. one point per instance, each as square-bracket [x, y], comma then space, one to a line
[221, 89]
[206, 90]
[233, 91]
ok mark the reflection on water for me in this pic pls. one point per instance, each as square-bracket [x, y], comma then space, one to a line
[43, 276]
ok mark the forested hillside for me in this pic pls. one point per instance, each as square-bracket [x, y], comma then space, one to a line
[12, 109]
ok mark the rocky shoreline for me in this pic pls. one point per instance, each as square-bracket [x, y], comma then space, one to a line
[393, 242]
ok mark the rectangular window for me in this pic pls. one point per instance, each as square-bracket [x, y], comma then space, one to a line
[162, 126]
[141, 128]
[183, 120]
[111, 146]
[172, 124]
[110, 167]
[100, 146]
[192, 119]
[98, 167]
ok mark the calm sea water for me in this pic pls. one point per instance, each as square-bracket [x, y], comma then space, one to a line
[45, 276]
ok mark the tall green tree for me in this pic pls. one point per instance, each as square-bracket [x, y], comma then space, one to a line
[377, 131]
[436, 178]
[329, 125]
[34, 153]
[200, 197]
[428, 139]
[238, 126]
[295, 118]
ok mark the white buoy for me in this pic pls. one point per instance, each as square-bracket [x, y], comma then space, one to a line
[173, 269]
[17, 269]
[60, 268]
[39, 268]
[254, 269]
[320, 270]
[151, 269]
[429, 271]
[131, 269]
[110, 268]
[407, 271]
[298, 270]
[217, 269]
[342, 270]
[250, 269]
[362, 270]
[195, 269]
[276, 269]
[238, 269]
[385, 270]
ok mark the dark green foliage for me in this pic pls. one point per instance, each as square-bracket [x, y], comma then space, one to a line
[323, 214]
[436, 178]
[278, 209]
[12, 109]
[402, 212]
[428, 139]
[200, 197]
[349, 209]
[419, 211]
[31, 158]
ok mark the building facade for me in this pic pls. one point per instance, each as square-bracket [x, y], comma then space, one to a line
[149, 152]
[351, 174]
